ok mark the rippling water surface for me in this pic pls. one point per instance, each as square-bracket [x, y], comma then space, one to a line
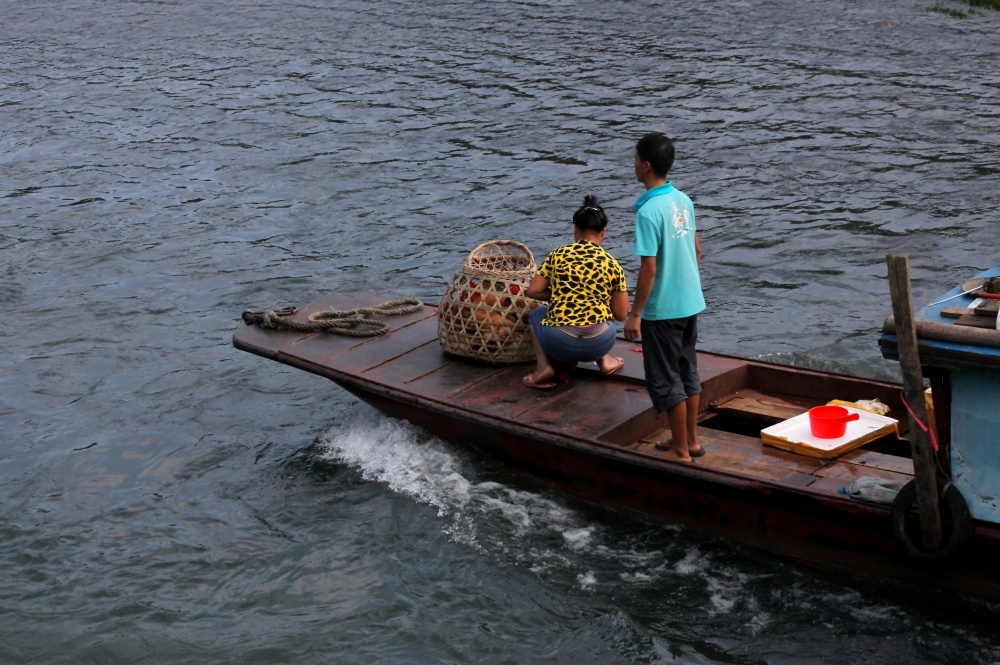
[166, 165]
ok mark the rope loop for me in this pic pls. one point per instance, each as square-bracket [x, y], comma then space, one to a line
[339, 322]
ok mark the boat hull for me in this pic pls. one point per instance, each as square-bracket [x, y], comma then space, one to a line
[842, 535]
[593, 438]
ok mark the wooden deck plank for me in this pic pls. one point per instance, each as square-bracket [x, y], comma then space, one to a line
[875, 460]
[589, 407]
[745, 456]
[431, 373]
[848, 473]
[766, 408]
[504, 396]
[711, 368]
[715, 365]
[417, 361]
[451, 378]
[359, 354]
[267, 343]
[830, 484]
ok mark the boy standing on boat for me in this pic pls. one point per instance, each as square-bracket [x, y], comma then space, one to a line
[668, 295]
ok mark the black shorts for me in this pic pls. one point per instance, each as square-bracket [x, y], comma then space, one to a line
[670, 360]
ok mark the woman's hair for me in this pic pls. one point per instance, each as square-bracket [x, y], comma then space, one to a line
[658, 150]
[590, 216]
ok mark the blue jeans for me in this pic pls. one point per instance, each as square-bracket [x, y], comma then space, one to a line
[571, 343]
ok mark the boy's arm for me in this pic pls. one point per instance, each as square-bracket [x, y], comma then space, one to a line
[643, 287]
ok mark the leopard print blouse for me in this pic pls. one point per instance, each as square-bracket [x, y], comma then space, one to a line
[582, 277]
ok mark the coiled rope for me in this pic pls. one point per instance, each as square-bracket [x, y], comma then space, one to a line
[333, 321]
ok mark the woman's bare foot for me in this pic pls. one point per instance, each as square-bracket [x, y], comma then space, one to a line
[609, 364]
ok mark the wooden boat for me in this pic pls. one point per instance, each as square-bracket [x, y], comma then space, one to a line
[594, 437]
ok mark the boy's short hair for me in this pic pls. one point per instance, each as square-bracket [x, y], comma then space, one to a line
[658, 150]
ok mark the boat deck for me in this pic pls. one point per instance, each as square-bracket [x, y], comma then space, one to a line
[740, 397]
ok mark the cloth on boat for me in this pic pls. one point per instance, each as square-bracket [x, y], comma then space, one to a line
[875, 490]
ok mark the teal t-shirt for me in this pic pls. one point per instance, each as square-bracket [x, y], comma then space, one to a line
[665, 228]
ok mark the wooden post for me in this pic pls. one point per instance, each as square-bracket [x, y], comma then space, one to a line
[924, 472]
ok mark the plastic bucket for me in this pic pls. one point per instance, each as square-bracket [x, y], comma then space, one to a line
[830, 422]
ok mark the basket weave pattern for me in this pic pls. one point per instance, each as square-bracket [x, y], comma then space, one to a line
[484, 313]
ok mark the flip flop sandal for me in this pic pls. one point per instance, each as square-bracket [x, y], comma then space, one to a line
[544, 385]
[621, 363]
[665, 445]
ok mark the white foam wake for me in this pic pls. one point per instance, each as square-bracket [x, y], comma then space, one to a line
[518, 525]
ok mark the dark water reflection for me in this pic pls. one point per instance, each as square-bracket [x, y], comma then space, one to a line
[166, 165]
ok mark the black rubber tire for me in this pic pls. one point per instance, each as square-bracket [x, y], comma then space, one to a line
[956, 521]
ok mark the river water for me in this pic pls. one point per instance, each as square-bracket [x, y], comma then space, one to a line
[166, 165]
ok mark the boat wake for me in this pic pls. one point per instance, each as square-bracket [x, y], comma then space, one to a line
[589, 551]
[413, 463]
[543, 533]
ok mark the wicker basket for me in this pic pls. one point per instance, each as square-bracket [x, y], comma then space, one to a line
[484, 314]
